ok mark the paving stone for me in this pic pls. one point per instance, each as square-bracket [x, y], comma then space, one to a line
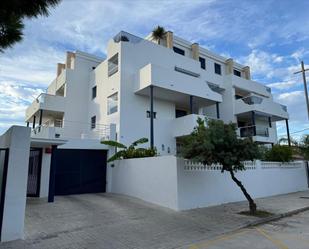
[115, 221]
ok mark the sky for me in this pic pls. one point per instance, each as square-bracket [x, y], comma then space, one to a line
[272, 37]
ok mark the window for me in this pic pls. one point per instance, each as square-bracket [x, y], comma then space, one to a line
[237, 73]
[94, 92]
[93, 122]
[112, 103]
[113, 65]
[203, 62]
[179, 51]
[217, 68]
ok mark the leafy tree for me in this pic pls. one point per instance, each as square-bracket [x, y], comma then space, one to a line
[279, 153]
[304, 147]
[158, 33]
[12, 14]
[130, 151]
[218, 143]
[284, 141]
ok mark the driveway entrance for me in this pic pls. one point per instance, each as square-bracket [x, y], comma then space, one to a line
[80, 171]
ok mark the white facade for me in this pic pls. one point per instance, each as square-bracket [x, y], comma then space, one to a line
[180, 184]
[90, 93]
[17, 141]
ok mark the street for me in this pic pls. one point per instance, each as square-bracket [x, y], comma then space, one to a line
[291, 232]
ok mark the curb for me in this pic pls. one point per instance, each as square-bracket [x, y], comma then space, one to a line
[276, 217]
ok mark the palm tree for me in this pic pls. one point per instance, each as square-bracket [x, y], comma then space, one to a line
[158, 33]
[12, 15]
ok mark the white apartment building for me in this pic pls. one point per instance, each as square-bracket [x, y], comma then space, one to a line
[181, 80]
[142, 88]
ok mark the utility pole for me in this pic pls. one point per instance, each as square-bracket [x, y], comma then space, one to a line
[303, 71]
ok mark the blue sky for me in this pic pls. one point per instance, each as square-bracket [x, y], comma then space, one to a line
[269, 36]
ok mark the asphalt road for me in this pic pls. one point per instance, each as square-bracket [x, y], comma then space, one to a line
[291, 232]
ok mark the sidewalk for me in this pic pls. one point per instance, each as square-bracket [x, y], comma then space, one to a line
[114, 221]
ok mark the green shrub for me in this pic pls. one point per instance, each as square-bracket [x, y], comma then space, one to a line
[279, 153]
[130, 151]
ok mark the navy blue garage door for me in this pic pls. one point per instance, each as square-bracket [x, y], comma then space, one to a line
[80, 171]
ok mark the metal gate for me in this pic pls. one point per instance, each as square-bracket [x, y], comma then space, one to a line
[80, 171]
[4, 158]
[34, 172]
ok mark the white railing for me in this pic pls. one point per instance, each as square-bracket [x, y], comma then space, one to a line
[190, 165]
[271, 165]
[64, 129]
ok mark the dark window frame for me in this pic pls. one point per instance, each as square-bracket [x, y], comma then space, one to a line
[178, 50]
[93, 122]
[94, 92]
[202, 62]
[237, 72]
[110, 110]
[217, 68]
[113, 65]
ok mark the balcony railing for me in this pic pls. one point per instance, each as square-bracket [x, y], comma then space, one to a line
[252, 100]
[123, 36]
[284, 108]
[72, 130]
[254, 130]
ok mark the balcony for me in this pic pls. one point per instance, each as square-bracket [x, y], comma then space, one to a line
[59, 81]
[258, 133]
[261, 105]
[249, 85]
[174, 83]
[183, 126]
[59, 129]
[47, 102]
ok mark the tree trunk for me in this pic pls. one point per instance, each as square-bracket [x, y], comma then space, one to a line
[252, 204]
[159, 41]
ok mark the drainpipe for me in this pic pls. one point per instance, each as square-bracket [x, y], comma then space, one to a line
[151, 118]
[218, 110]
[288, 131]
[191, 104]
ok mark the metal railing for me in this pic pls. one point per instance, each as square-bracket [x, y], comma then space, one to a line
[123, 36]
[253, 130]
[252, 99]
[65, 129]
[284, 108]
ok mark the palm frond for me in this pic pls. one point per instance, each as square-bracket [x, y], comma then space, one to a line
[114, 144]
[118, 155]
[140, 141]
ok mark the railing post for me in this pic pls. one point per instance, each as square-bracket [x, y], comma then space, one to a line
[33, 123]
[253, 123]
[288, 131]
[151, 118]
[40, 119]
[52, 175]
[191, 104]
[218, 110]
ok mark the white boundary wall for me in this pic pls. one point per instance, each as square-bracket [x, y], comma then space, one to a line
[150, 179]
[179, 184]
[17, 139]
